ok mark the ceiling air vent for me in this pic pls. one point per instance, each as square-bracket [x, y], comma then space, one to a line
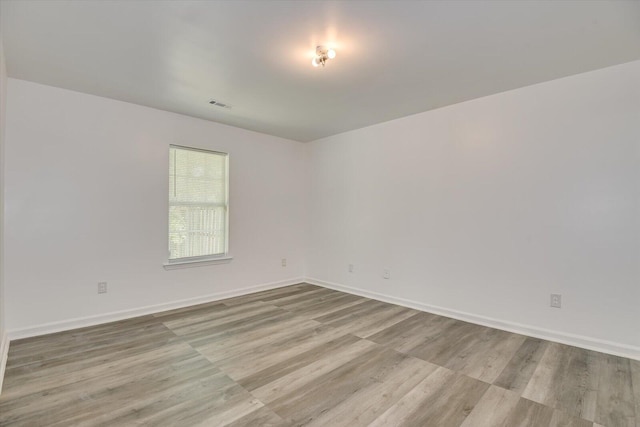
[219, 104]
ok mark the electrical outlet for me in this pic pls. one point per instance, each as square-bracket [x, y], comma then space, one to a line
[556, 300]
[102, 287]
[284, 262]
[386, 273]
[350, 268]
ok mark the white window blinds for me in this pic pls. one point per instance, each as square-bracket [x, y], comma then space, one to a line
[198, 203]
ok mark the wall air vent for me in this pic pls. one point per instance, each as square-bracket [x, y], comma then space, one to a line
[219, 104]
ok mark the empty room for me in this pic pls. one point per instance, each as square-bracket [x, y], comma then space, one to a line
[320, 213]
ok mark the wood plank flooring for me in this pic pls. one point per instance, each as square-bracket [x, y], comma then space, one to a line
[305, 355]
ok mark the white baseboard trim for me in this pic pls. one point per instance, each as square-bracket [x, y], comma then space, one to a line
[581, 341]
[589, 343]
[4, 353]
[81, 322]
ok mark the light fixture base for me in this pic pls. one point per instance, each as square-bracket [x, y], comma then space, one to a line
[323, 54]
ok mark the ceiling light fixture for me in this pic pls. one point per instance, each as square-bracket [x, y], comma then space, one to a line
[322, 55]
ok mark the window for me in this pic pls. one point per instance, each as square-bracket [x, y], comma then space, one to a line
[198, 204]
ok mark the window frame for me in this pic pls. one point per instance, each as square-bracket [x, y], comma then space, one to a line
[201, 259]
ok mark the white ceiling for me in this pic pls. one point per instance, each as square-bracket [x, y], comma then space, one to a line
[394, 58]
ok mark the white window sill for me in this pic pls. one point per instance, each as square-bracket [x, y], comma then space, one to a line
[197, 262]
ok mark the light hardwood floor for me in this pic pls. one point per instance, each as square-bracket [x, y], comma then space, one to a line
[305, 355]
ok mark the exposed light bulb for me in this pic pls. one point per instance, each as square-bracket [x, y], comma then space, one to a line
[322, 55]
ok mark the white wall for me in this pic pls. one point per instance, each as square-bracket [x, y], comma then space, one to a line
[482, 208]
[489, 206]
[3, 100]
[86, 201]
